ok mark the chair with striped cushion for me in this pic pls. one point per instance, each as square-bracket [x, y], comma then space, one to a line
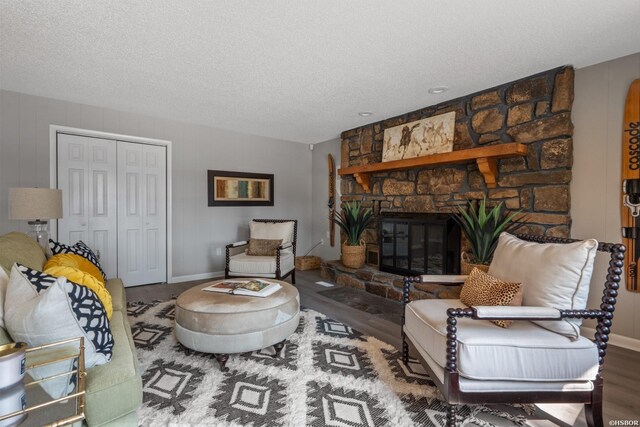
[241, 264]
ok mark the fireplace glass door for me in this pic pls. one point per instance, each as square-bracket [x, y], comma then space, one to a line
[425, 244]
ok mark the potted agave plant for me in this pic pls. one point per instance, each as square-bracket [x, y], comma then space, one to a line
[482, 229]
[353, 219]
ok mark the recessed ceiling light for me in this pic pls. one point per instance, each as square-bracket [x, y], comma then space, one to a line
[365, 113]
[438, 89]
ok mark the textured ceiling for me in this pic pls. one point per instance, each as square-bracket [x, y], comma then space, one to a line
[296, 70]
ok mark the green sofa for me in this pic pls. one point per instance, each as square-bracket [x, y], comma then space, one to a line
[114, 390]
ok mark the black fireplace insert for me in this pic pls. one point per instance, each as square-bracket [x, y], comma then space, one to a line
[414, 244]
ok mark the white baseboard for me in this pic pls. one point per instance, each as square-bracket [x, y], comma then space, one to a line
[201, 276]
[617, 340]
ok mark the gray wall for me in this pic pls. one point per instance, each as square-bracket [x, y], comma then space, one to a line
[320, 192]
[600, 92]
[197, 229]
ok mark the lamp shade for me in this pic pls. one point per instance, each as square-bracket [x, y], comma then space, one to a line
[35, 203]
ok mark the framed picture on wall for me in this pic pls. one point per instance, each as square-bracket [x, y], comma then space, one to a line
[432, 135]
[239, 188]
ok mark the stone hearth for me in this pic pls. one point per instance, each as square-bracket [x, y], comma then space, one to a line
[382, 284]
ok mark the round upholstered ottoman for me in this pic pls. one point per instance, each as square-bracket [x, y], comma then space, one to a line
[222, 324]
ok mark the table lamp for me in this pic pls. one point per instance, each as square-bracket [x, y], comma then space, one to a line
[37, 205]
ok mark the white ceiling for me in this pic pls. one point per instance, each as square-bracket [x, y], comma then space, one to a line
[296, 70]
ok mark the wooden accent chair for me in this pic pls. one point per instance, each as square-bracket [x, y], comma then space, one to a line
[239, 264]
[473, 361]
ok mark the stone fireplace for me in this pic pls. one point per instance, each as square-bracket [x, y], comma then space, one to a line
[534, 111]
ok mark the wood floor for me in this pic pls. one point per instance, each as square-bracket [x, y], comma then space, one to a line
[371, 315]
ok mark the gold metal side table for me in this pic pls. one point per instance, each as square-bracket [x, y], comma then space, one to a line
[27, 403]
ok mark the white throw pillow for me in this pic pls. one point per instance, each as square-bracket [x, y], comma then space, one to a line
[41, 309]
[4, 282]
[552, 275]
[273, 231]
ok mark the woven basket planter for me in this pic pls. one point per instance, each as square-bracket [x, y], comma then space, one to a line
[466, 266]
[353, 256]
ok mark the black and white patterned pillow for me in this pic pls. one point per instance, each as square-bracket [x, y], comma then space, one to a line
[39, 281]
[85, 304]
[80, 248]
[92, 317]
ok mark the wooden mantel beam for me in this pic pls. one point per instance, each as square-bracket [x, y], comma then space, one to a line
[485, 157]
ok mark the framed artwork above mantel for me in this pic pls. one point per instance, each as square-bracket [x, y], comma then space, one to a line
[433, 135]
[227, 188]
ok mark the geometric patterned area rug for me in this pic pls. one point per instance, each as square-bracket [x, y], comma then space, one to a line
[328, 374]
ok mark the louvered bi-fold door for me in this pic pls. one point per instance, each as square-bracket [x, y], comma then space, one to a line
[142, 213]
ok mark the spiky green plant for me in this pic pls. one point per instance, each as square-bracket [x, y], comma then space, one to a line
[353, 219]
[483, 228]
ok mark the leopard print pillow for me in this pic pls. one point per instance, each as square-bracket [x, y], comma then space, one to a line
[263, 247]
[481, 288]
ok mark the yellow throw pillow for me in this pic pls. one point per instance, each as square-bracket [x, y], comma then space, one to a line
[75, 261]
[85, 279]
[481, 288]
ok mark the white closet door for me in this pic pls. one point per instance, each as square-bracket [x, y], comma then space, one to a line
[87, 177]
[142, 215]
[155, 212]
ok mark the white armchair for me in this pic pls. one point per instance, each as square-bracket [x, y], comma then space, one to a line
[279, 266]
[538, 359]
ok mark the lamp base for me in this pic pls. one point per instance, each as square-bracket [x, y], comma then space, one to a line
[39, 231]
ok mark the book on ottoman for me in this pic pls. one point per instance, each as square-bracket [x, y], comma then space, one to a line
[252, 288]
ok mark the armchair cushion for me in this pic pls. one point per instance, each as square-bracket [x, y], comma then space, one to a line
[524, 352]
[263, 247]
[485, 290]
[273, 231]
[243, 264]
[470, 386]
[552, 275]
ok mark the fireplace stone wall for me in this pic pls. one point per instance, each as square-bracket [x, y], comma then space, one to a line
[535, 111]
